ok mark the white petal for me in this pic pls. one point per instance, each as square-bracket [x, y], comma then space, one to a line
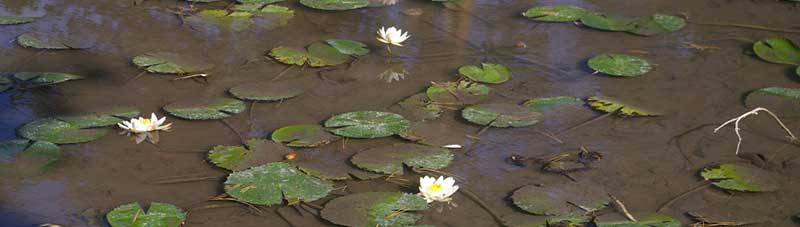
[452, 146]
[448, 182]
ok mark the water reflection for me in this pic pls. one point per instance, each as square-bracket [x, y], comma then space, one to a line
[15, 110]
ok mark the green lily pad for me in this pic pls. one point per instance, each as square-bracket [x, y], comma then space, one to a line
[205, 109]
[620, 65]
[33, 79]
[158, 215]
[321, 54]
[269, 184]
[237, 158]
[270, 91]
[489, 73]
[303, 136]
[559, 13]
[464, 93]
[657, 24]
[367, 124]
[651, 221]
[552, 199]
[433, 134]
[28, 158]
[608, 106]
[417, 108]
[74, 129]
[335, 4]
[12, 20]
[778, 50]
[785, 101]
[390, 159]
[608, 22]
[244, 16]
[501, 115]
[170, 63]
[349, 47]
[331, 163]
[5, 83]
[49, 43]
[741, 177]
[547, 103]
[289, 55]
[371, 209]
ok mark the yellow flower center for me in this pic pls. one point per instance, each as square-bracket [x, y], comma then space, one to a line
[435, 188]
[145, 121]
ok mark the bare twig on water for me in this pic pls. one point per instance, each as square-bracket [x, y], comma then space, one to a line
[227, 124]
[677, 140]
[278, 211]
[588, 122]
[622, 208]
[251, 206]
[551, 136]
[480, 203]
[212, 206]
[136, 77]
[281, 73]
[184, 179]
[684, 194]
[736, 128]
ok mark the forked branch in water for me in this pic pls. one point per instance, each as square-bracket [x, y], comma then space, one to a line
[755, 111]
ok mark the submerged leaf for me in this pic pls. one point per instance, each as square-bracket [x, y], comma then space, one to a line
[489, 73]
[609, 106]
[778, 50]
[270, 91]
[367, 124]
[657, 24]
[12, 20]
[28, 158]
[74, 129]
[608, 22]
[303, 136]
[335, 4]
[552, 199]
[237, 158]
[158, 215]
[417, 108]
[321, 54]
[501, 115]
[740, 177]
[460, 93]
[34, 79]
[269, 184]
[371, 209]
[651, 221]
[49, 43]
[349, 47]
[170, 63]
[331, 163]
[559, 13]
[620, 65]
[390, 159]
[205, 109]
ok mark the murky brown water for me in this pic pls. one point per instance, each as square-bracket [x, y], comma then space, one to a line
[689, 87]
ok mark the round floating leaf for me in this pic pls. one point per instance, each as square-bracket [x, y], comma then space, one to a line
[501, 115]
[268, 184]
[74, 129]
[335, 4]
[620, 65]
[289, 55]
[34, 79]
[778, 50]
[608, 22]
[49, 43]
[657, 24]
[330, 163]
[547, 103]
[651, 221]
[170, 63]
[303, 136]
[27, 158]
[205, 109]
[463, 92]
[490, 73]
[608, 106]
[12, 20]
[367, 124]
[417, 108]
[349, 47]
[552, 199]
[269, 91]
[371, 209]
[237, 158]
[5, 83]
[390, 159]
[433, 134]
[158, 215]
[778, 99]
[740, 177]
[559, 13]
[321, 54]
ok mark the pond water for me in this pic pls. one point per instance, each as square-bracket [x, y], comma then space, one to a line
[646, 160]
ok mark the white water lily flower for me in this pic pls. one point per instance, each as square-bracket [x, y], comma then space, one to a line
[392, 36]
[143, 125]
[440, 190]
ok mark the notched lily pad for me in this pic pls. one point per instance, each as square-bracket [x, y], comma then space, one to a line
[608, 106]
[28, 158]
[12, 20]
[552, 199]
[74, 129]
[50, 43]
[308, 135]
[370, 209]
[367, 124]
[170, 63]
[237, 158]
[335, 4]
[501, 115]
[620, 65]
[390, 159]
[270, 91]
[778, 50]
[460, 93]
[418, 108]
[608, 22]
[657, 24]
[741, 177]
[433, 134]
[487, 73]
[651, 221]
[547, 103]
[205, 109]
[559, 13]
[158, 215]
[349, 47]
[269, 184]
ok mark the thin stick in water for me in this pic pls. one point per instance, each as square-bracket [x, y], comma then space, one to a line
[755, 111]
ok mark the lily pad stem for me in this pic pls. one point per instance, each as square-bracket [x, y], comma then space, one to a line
[483, 205]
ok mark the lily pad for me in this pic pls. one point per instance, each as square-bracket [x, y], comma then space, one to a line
[620, 65]
[559, 13]
[335, 4]
[303, 136]
[12, 20]
[367, 124]
[785, 101]
[33, 79]
[741, 177]
[237, 158]
[390, 159]
[270, 91]
[418, 108]
[433, 134]
[464, 93]
[349, 47]
[501, 115]
[778, 50]
[331, 163]
[74, 129]
[28, 158]
[158, 215]
[244, 16]
[608, 22]
[608, 106]
[651, 221]
[170, 63]
[289, 55]
[552, 199]
[205, 109]
[374, 209]
[547, 103]
[5, 83]
[49, 43]
[321, 54]
[657, 24]
[489, 73]
[269, 184]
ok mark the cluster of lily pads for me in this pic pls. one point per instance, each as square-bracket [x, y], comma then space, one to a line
[646, 26]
